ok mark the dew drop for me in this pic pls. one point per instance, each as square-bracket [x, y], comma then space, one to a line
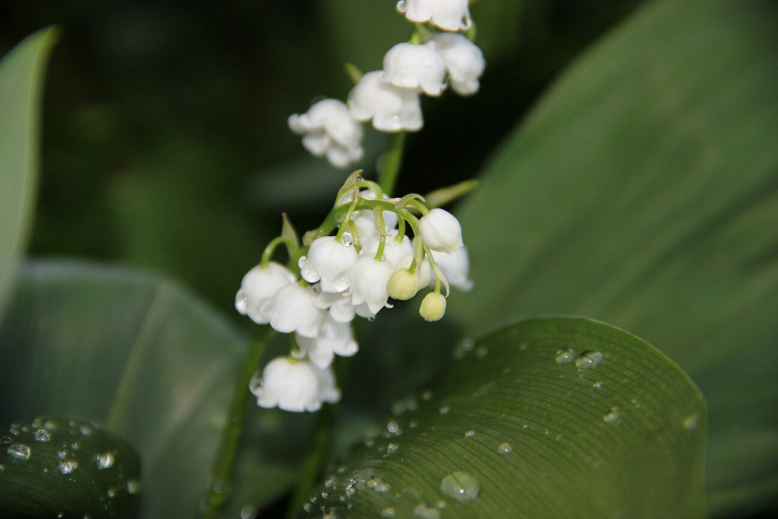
[392, 427]
[6, 440]
[133, 486]
[387, 512]
[248, 512]
[445, 409]
[66, 467]
[468, 344]
[470, 434]
[42, 435]
[112, 492]
[351, 490]
[382, 487]
[565, 356]
[481, 352]
[611, 416]
[505, 448]
[460, 486]
[85, 430]
[426, 395]
[597, 385]
[392, 448]
[690, 422]
[588, 360]
[104, 460]
[19, 451]
[426, 512]
[347, 239]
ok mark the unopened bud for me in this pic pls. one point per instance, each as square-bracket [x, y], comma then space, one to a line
[403, 285]
[433, 307]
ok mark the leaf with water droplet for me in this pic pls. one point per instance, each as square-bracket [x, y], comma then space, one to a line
[44, 477]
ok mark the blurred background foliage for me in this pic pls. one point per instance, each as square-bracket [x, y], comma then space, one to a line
[165, 143]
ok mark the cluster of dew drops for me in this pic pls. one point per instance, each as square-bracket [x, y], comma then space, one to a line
[45, 431]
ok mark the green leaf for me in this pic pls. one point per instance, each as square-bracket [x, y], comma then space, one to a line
[614, 429]
[21, 84]
[643, 191]
[153, 364]
[58, 467]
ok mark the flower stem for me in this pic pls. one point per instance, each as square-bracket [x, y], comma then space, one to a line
[391, 162]
[224, 464]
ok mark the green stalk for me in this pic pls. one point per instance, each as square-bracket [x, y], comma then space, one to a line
[391, 162]
[224, 464]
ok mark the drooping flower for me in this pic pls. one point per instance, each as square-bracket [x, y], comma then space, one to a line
[328, 129]
[394, 251]
[416, 67]
[392, 109]
[423, 271]
[334, 339]
[449, 15]
[326, 259]
[456, 268]
[433, 307]
[293, 309]
[367, 281]
[258, 286]
[464, 62]
[338, 306]
[441, 231]
[295, 385]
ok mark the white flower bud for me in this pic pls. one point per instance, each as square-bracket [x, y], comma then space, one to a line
[403, 285]
[433, 307]
[328, 129]
[456, 268]
[441, 231]
[392, 109]
[258, 287]
[367, 280]
[295, 386]
[394, 251]
[417, 67]
[326, 259]
[464, 62]
[293, 309]
[449, 15]
[334, 339]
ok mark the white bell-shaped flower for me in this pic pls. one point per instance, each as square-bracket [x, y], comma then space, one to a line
[424, 271]
[293, 309]
[367, 280]
[441, 231]
[416, 67]
[394, 251]
[329, 130]
[392, 109]
[338, 306]
[456, 268]
[295, 385]
[464, 62]
[449, 15]
[334, 339]
[259, 285]
[326, 259]
[365, 220]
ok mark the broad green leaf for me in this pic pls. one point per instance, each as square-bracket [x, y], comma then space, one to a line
[153, 364]
[58, 467]
[550, 418]
[643, 191]
[21, 84]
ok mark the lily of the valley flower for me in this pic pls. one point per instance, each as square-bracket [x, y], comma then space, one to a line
[416, 67]
[329, 130]
[394, 251]
[433, 307]
[333, 339]
[326, 259]
[441, 231]
[456, 268]
[293, 309]
[295, 385]
[338, 306]
[449, 15]
[258, 287]
[392, 109]
[367, 280]
[464, 62]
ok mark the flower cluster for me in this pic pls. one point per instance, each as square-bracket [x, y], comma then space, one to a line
[332, 278]
[390, 98]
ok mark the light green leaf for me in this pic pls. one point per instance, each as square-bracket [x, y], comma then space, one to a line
[21, 84]
[643, 191]
[58, 467]
[153, 364]
[557, 417]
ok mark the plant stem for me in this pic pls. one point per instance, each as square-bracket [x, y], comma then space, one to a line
[314, 459]
[224, 464]
[391, 162]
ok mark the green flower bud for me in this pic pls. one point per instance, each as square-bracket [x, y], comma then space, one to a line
[433, 307]
[403, 285]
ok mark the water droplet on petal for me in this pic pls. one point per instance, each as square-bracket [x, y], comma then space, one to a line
[588, 360]
[19, 451]
[565, 356]
[460, 486]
